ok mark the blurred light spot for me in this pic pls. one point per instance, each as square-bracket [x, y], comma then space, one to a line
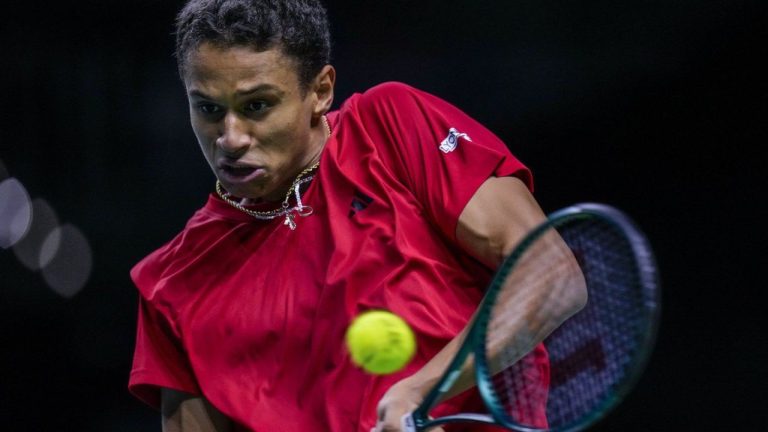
[15, 212]
[29, 249]
[49, 247]
[70, 264]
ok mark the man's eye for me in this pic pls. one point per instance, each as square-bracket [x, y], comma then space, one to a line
[256, 106]
[209, 108]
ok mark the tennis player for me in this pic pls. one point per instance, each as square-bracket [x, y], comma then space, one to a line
[397, 200]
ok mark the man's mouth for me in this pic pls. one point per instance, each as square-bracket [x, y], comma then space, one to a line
[239, 173]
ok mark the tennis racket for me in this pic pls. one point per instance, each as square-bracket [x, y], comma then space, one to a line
[595, 356]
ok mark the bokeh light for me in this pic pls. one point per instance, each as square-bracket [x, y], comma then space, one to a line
[15, 212]
[28, 249]
[69, 260]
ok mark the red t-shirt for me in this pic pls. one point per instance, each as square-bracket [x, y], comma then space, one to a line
[252, 315]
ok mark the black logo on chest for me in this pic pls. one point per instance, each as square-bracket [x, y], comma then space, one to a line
[359, 202]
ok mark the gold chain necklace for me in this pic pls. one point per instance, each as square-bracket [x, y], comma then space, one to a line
[285, 209]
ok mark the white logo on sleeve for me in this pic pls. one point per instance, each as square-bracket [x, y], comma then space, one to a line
[452, 140]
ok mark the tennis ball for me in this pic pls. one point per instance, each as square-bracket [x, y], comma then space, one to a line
[380, 342]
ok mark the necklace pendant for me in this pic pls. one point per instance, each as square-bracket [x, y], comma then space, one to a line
[289, 220]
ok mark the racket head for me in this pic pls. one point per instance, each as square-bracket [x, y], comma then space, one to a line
[597, 355]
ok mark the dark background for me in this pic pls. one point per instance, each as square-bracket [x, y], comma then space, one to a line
[656, 107]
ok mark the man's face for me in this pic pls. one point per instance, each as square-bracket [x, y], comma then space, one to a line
[256, 127]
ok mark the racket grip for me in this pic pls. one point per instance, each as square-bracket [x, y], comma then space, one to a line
[407, 424]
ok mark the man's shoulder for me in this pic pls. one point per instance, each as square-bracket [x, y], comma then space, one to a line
[389, 101]
[385, 93]
[389, 88]
[200, 230]
[390, 92]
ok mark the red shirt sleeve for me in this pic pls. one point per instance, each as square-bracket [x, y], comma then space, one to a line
[440, 153]
[159, 360]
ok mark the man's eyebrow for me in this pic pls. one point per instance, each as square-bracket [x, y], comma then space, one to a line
[243, 92]
[259, 88]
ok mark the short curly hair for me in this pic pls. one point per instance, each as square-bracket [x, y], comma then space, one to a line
[298, 27]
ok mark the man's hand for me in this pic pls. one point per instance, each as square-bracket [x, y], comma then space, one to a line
[402, 398]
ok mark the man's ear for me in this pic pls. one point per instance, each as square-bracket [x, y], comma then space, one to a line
[322, 89]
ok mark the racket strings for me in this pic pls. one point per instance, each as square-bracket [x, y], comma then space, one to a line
[592, 352]
[546, 267]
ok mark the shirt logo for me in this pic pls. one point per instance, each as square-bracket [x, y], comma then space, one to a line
[359, 202]
[450, 142]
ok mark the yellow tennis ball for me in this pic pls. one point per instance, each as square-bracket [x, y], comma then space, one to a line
[380, 342]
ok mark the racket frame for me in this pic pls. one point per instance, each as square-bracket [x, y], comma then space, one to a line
[419, 420]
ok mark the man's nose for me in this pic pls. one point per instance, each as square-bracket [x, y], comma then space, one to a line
[234, 138]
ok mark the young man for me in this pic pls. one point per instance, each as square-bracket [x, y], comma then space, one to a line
[396, 201]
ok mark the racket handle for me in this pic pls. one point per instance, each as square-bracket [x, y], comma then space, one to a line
[407, 424]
